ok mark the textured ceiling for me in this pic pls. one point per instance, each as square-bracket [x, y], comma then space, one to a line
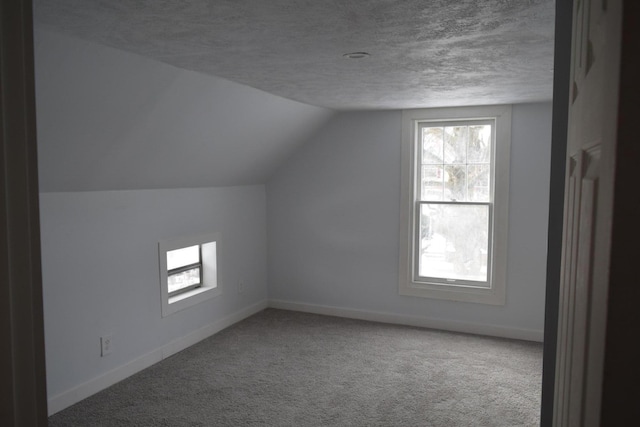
[424, 53]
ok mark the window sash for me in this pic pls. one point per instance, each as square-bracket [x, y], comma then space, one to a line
[178, 257]
[184, 268]
[418, 152]
[417, 278]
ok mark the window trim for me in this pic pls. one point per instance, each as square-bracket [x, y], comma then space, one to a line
[407, 286]
[209, 246]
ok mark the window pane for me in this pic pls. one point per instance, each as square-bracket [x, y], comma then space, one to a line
[478, 183]
[184, 256]
[479, 148]
[455, 144]
[432, 145]
[183, 279]
[455, 183]
[454, 242]
[432, 185]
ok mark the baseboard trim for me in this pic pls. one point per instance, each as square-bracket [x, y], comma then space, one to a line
[425, 322]
[67, 398]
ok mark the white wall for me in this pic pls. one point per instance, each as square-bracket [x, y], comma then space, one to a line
[101, 275]
[333, 226]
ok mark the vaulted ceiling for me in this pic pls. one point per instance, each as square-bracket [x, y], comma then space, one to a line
[423, 53]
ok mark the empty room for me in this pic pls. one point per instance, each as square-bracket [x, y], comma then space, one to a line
[294, 212]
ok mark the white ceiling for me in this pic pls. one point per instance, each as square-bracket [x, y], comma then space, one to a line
[424, 53]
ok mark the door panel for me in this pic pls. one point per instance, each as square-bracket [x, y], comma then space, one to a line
[588, 211]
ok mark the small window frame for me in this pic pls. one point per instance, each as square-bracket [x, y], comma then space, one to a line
[209, 286]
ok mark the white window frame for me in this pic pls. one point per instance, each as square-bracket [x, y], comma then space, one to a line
[209, 285]
[409, 285]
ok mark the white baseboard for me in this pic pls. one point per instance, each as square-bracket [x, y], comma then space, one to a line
[67, 398]
[425, 322]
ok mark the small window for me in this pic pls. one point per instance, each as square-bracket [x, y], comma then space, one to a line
[184, 269]
[188, 271]
[454, 203]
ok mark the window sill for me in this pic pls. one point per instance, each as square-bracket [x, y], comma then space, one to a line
[189, 294]
[189, 299]
[453, 293]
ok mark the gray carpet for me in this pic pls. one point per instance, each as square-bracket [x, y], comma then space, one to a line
[282, 368]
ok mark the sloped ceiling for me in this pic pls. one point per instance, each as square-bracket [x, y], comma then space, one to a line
[111, 120]
[424, 53]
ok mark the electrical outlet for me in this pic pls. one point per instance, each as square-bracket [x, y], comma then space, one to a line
[106, 345]
[240, 287]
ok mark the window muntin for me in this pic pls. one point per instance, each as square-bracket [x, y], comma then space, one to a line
[184, 269]
[453, 202]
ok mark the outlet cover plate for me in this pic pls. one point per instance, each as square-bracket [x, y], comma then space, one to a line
[106, 344]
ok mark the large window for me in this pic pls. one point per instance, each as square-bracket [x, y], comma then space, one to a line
[188, 271]
[454, 204]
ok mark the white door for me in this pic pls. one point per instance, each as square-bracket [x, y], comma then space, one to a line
[588, 211]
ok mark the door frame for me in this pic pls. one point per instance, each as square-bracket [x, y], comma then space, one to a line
[22, 359]
[561, 86]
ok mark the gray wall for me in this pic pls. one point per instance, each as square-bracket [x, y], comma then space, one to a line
[109, 120]
[100, 270]
[333, 222]
[112, 120]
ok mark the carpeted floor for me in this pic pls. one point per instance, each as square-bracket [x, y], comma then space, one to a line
[283, 368]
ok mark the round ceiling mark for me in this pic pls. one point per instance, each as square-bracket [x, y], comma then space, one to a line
[356, 55]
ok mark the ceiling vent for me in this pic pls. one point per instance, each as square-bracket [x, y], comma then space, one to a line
[356, 55]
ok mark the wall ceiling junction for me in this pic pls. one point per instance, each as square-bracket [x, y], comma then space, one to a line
[424, 53]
